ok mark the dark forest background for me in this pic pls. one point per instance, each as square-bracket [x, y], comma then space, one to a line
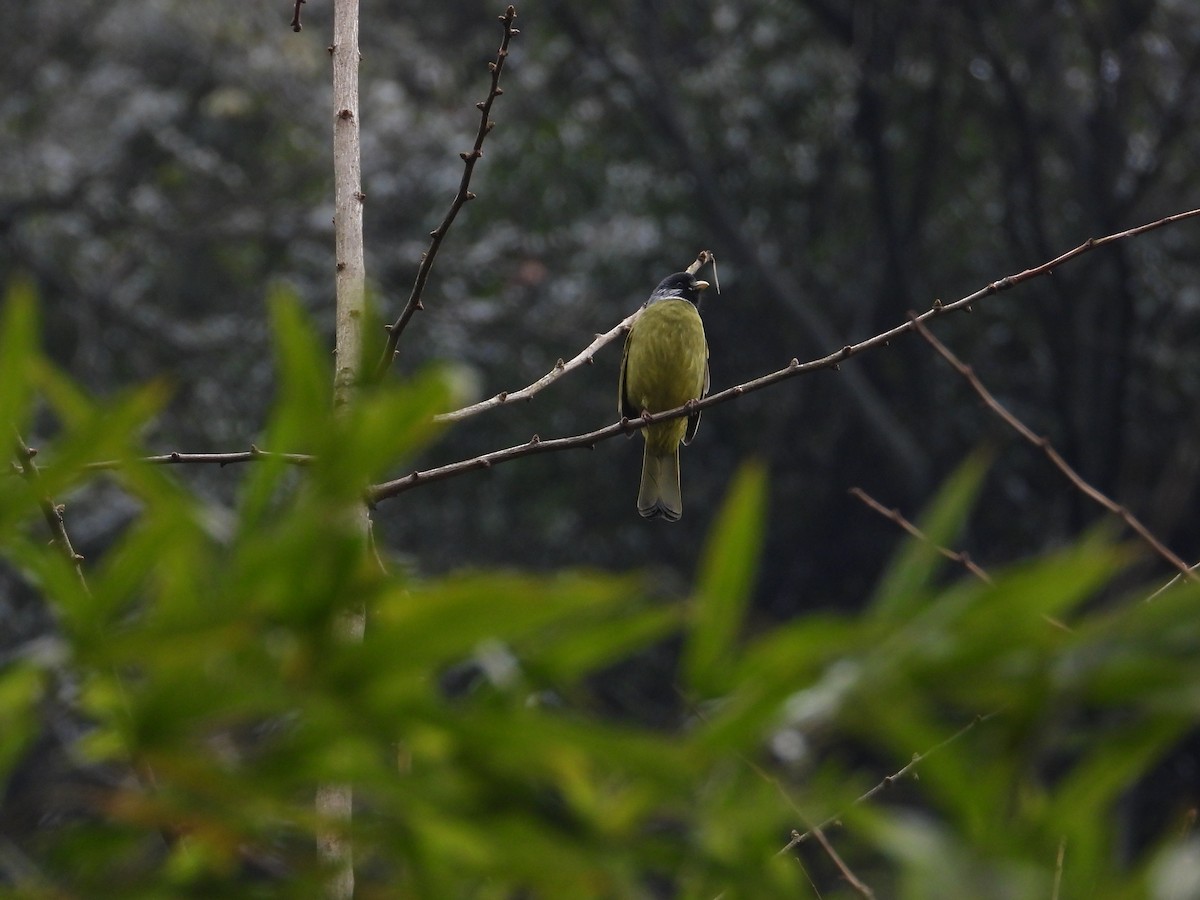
[165, 164]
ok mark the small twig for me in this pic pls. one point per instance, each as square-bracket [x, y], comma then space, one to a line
[464, 194]
[851, 879]
[887, 782]
[52, 512]
[1090, 244]
[703, 258]
[1170, 584]
[296, 26]
[961, 557]
[1058, 868]
[1043, 444]
[818, 831]
[586, 356]
[178, 458]
[797, 837]
[219, 459]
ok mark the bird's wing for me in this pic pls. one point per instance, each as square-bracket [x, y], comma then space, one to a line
[623, 408]
[693, 422]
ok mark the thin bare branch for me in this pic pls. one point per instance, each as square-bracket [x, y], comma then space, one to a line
[961, 556]
[296, 26]
[817, 831]
[703, 258]
[586, 356]
[1170, 584]
[797, 837]
[1090, 244]
[794, 368]
[1058, 867]
[851, 879]
[1043, 443]
[887, 782]
[461, 198]
[176, 458]
[52, 512]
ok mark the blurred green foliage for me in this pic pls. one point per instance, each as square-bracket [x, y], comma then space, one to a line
[581, 733]
[212, 693]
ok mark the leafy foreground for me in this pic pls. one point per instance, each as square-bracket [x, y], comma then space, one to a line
[213, 694]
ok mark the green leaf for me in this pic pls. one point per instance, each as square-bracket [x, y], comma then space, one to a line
[18, 346]
[433, 624]
[304, 393]
[92, 430]
[772, 671]
[352, 446]
[386, 424]
[578, 647]
[1095, 784]
[727, 573]
[303, 408]
[21, 688]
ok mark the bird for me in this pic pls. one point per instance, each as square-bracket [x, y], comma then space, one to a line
[664, 366]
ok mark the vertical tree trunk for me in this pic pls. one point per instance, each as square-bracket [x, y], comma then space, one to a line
[335, 802]
[348, 202]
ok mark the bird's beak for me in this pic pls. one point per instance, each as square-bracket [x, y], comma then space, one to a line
[701, 285]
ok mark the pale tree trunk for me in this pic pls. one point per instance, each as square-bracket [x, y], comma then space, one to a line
[335, 802]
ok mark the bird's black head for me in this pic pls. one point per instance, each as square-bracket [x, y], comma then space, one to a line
[681, 285]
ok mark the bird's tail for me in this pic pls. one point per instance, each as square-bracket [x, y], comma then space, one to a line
[659, 494]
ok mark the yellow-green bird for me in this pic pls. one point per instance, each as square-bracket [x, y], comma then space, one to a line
[665, 365]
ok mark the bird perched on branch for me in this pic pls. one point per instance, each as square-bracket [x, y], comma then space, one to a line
[665, 365]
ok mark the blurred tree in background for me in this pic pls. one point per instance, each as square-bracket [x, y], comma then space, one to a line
[164, 167]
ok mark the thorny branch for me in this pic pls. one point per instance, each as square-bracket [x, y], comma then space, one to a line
[887, 782]
[832, 361]
[960, 556]
[851, 879]
[464, 194]
[220, 459]
[1042, 443]
[894, 515]
[1179, 576]
[51, 512]
[817, 832]
[585, 357]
